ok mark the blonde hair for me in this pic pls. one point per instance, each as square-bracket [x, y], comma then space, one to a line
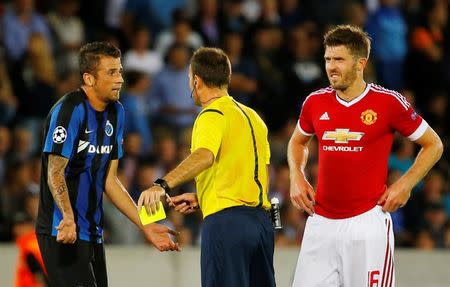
[41, 59]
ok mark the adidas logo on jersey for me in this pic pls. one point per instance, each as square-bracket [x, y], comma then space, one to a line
[324, 117]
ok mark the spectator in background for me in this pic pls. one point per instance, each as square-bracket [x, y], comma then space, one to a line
[436, 224]
[19, 22]
[68, 32]
[291, 13]
[271, 98]
[355, 13]
[233, 18]
[5, 146]
[279, 186]
[438, 112]
[169, 93]
[431, 193]
[426, 61]
[23, 143]
[30, 270]
[388, 30]
[166, 149]
[140, 58]
[269, 13]
[293, 226]
[207, 22]
[42, 80]
[243, 83]
[180, 33]
[156, 15]
[402, 157]
[13, 193]
[8, 102]
[136, 110]
[305, 70]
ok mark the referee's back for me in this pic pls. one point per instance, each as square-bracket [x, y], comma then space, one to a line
[237, 136]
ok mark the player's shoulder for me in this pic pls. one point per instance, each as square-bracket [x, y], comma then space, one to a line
[390, 97]
[320, 94]
[69, 102]
[75, 97]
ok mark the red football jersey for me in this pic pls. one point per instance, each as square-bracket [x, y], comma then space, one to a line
[355, 140]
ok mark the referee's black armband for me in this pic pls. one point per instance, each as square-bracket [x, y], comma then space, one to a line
[162, 183]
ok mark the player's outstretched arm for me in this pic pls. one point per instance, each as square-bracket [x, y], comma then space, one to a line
[399, 192]
[67, 230]
[157, 234]
[189, 168]
[301, 192]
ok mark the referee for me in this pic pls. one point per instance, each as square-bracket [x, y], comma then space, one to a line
[229, 160]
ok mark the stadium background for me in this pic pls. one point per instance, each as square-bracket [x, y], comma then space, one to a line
[277, 57]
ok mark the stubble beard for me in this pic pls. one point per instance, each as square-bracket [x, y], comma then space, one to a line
[347, 80]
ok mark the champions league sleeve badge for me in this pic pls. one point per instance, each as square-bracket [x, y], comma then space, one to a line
[59, 135]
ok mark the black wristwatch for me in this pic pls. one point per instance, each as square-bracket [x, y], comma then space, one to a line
[162, 183]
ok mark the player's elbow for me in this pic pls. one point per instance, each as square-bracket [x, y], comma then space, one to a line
[439, 146]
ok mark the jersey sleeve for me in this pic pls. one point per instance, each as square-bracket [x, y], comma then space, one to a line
[65, 121]
[267, 153]
[305, 124]
[208, 131]
[405, 119]
[118, 146]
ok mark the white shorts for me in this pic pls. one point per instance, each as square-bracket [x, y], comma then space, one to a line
[351, 252]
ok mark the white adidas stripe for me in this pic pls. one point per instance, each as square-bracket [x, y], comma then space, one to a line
[403, 101]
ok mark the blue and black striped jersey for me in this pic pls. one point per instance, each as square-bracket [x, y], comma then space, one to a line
[89, 140]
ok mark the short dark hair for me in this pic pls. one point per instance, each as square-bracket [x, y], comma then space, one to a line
[91, 53]
[352, 37]
[212, 66]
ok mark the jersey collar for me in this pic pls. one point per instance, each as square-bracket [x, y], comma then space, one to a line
[355, 100]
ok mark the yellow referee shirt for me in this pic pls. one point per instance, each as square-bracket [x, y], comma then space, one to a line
[237, 137]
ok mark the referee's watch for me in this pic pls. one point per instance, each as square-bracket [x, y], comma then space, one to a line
[162, 183]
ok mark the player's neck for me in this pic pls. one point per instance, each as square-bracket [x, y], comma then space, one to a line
[94, 100]
[352, 92]
[213, 95]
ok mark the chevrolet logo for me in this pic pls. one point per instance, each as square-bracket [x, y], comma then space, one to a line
[342, 136]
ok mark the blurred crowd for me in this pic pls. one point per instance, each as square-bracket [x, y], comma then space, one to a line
[275, 47]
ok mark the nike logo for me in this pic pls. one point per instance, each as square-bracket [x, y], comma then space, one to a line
[88, 132]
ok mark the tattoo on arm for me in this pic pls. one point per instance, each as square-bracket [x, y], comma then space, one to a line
[57, 183]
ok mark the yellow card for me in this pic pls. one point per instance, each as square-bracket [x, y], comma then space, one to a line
[147, 219]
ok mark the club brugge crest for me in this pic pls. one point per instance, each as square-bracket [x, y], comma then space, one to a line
[109, 129]
[369, 117]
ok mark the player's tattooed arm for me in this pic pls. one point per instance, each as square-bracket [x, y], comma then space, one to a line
[57, 184]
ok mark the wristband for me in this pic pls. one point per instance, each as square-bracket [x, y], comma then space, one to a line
[162, 183]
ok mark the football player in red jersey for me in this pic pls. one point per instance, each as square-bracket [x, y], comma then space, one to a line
[348, 238]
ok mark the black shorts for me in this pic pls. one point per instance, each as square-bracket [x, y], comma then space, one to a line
[237, 248]
[81, 264]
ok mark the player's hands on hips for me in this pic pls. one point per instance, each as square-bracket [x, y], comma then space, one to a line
[67, 231]
[395, 196]
[185, 203]
[159, 236]
[302, 194]
[150, 199]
